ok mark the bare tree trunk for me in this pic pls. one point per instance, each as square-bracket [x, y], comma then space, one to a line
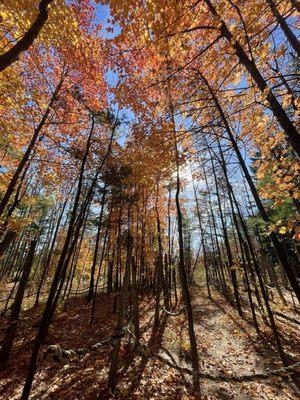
[49, 255]
[100, 265]
[16, 308]
[182, 270]
[92, 281]
[256, 267]
[5, 242]
[135, 297]
[202, 241]
[285, 28]
[112, 377]
[227, 245]
[185, 290]
[159, 265]
[277, 245]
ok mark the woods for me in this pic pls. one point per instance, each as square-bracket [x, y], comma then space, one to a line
[149, 199]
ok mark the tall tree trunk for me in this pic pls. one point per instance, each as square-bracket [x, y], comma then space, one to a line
[112, 377]
[293, 137]
[159, 265]
[185, 288]
[59, 273]
[12, 184]
[227, 244]
[202, 240]
[256, 266]
[100, 264]
[135, 296]
[16, 308]
[12, 55]
[49, 255]
[5, 262]
[5, 242]
[276, 243]
[66, 253]
[285, 28]
[92, 280]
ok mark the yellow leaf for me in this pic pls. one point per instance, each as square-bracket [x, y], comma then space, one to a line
[282, 230]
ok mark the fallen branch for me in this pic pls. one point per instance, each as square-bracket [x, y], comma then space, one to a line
[57, 353]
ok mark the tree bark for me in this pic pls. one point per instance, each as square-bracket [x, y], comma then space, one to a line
[296, 4]
[202, 241]
[285, 28]
[227, 245]
[135, 296]
[12, 55]
[16, 308]
[256, 266]
[112, 377]
[5, 242]
[286, 124]
[49, 255]
[92, 280]
[159, 265]
[277, 245]
[59, 273]
[185, 290]
[12, 184]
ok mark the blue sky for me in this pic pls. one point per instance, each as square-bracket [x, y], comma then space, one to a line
[102, 14]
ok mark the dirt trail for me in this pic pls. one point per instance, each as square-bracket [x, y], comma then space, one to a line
[227, 344]
[230, 345]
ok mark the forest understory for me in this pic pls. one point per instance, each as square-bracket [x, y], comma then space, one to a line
[228, 345]
[149, 199]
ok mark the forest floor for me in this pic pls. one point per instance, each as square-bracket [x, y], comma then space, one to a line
[227, 345]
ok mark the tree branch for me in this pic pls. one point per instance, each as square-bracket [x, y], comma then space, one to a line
[12, 55]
